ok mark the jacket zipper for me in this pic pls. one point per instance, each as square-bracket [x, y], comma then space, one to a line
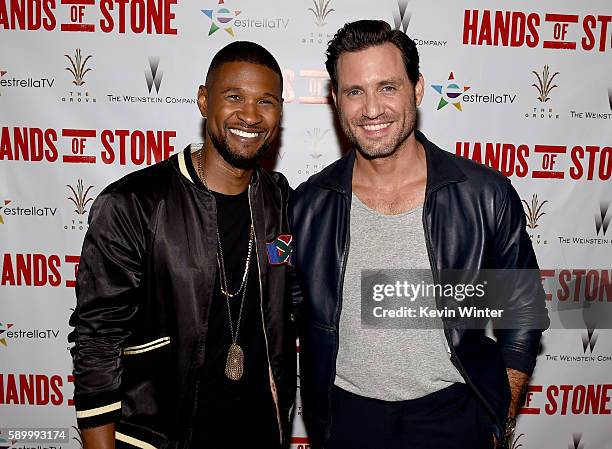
[270, 375]
[454, 358]
[339, 310]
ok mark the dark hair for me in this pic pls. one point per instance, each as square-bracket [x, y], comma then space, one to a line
[362, 34]
[244, 51]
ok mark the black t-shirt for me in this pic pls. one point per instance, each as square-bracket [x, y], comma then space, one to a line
[242, 411]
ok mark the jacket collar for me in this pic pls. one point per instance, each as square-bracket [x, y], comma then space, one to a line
[441, 169]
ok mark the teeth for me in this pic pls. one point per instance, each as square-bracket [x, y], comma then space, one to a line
[376, 127]
[241, 133]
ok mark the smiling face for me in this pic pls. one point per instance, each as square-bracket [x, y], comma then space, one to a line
[242, 102]
[375, 99]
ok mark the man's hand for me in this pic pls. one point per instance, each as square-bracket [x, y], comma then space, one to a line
[102, 437]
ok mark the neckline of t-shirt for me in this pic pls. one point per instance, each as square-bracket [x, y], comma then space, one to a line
[357, 201]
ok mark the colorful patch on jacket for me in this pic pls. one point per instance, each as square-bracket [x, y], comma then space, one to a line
[279, 250]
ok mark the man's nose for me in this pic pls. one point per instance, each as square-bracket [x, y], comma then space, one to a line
[372, 107]
[249, 114]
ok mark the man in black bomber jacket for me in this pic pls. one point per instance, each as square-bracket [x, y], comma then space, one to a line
[182, 331]
[398, 201]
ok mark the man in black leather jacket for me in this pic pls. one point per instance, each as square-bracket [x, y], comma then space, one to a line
[398, 201]
[182, 333]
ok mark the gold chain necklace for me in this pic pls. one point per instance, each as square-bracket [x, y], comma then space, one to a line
[234, 364]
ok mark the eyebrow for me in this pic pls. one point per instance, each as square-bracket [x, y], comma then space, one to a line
[240, 89]
[395, 81]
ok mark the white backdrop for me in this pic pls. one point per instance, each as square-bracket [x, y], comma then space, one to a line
[93, 89]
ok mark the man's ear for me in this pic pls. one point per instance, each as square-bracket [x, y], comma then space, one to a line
[203, 100]
[419, 89]
[333, 92]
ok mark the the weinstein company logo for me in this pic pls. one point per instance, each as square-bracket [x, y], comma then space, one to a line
[589, 340]
[602, 222]
[78, 68]
[401, 16]
[320, 11]
[316, 137]
[153, 75]
[545, 85]
[576, 442]
[533, 211]
[602, 219]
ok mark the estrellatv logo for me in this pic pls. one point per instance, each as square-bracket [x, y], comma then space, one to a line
[450, 93]
[3, 329]
[221, 19]
[6, 203]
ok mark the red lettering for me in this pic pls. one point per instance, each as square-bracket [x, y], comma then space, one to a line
[564, 400]
[42, 389]
[108, 155]
[588, 41]
[55, 279]
[518, 29]
[106, 23]
[56, 396]
[604, 20]
[470, 26]
[551, 394]
[49, 22]
[502, 28]
[50, 137]
[522, 155]
[564, 277]
[576, 155]
[533, 22]
[485, 29]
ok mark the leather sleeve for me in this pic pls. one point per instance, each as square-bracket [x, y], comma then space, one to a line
[108, 277]
[524, 305]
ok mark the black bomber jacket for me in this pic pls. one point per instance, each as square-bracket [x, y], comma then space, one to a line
[144, 287]
[472, 219]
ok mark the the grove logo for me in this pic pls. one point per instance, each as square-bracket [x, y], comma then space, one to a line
[320, 11]
[545, 83]
[78, 68]
[534, 211]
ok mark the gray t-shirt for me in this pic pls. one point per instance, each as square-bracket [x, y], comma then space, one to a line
[388, 364]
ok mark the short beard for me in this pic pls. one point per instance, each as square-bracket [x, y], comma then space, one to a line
[236, 160]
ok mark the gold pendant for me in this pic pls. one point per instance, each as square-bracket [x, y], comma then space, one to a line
[234, 367]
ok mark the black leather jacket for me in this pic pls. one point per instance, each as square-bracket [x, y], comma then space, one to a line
[472, 218]
[144, 287]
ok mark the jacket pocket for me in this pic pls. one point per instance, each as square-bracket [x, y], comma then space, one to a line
[130, 436]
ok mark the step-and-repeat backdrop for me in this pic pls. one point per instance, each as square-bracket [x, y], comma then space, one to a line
[93, 89]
